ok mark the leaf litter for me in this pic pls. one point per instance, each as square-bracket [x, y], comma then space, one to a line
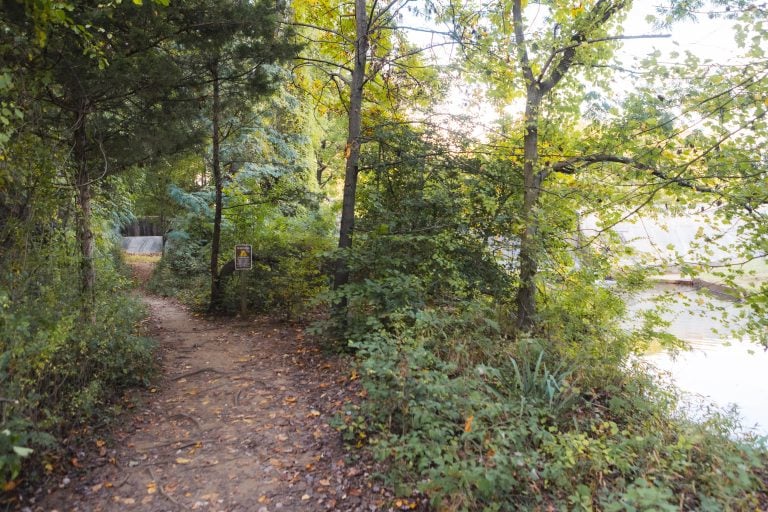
[238, 421]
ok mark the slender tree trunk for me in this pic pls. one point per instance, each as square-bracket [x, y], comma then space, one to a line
[84, 216]
[216, 291]
[526, 293]
[341, 275]
[537, 87]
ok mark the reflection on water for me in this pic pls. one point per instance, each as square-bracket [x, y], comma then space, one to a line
[722, 369]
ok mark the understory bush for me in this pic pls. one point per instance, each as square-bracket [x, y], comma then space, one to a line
[479, 421]
[59, 370]
[287, 272]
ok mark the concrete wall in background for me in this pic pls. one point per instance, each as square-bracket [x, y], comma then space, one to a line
[143, 244]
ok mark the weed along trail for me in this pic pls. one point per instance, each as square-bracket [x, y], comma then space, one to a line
[238, 420]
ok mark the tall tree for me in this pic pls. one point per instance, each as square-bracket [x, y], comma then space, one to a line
[586, 27]
[554, 55]
[361, 52]
[108, 108]
[229, 47]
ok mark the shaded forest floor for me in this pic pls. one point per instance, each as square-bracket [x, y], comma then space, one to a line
[237, 420]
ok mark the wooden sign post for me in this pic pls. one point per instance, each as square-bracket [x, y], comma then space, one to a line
[243, 261]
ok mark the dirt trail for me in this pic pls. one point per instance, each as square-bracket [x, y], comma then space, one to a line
[238, 421]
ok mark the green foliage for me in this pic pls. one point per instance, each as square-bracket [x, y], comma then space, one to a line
[521, 430]
[288, 257]
[13, 450]
[288, 254]
[58, 370]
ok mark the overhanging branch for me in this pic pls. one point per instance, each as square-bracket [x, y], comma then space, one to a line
[575, 164]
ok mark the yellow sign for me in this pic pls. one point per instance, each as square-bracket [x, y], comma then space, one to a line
[243, 257]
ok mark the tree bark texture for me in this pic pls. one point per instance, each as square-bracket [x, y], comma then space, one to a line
[85, 237]
[526, 293]
[341, 275]
[216, 289]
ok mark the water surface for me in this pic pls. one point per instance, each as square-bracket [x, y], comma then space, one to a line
[718, 367]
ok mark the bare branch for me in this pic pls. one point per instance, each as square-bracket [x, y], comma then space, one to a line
[602, 12]
[570, 166]
[322, 29]
[522, 52]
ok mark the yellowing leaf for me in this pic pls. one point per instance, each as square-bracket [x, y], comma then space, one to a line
[151, 488]
[182, 460]
[468, 424]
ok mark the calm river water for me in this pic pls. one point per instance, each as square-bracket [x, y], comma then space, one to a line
[718, 368]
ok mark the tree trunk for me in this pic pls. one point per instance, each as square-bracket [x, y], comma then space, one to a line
[526, 293]
[216, 290]
[85, 238]
[341, 274]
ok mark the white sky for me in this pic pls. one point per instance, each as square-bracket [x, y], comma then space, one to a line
[708, 39]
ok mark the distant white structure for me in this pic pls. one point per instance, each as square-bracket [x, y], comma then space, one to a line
[698, 237]
[143, 244]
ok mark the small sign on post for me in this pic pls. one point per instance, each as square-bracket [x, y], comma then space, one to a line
[243, 261]
[243, 257]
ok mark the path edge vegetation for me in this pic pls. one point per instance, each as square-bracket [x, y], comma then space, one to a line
[488, 386]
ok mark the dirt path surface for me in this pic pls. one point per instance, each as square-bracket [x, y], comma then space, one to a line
[238, 421]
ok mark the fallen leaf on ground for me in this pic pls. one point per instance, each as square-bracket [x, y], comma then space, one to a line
[182, 460]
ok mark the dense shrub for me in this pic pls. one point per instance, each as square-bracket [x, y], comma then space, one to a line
[287, 272]
[57, 370]
[479, 422]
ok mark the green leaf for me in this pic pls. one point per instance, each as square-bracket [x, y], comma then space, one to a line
[22, 451]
